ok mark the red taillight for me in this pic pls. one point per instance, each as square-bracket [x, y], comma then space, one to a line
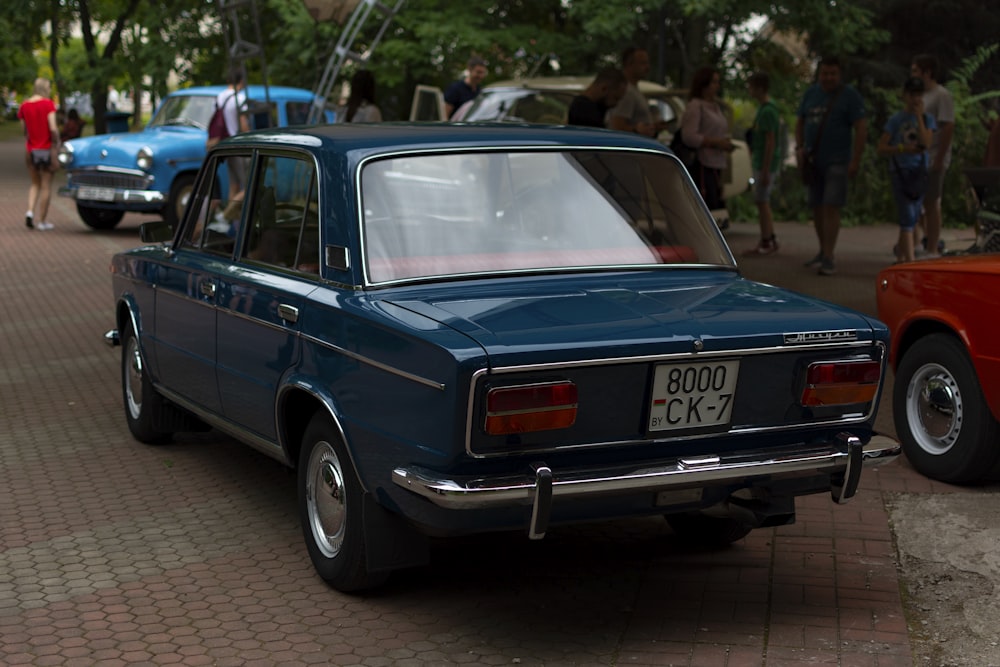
[535, 407]
[841, 382]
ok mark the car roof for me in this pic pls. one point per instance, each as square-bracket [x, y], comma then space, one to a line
[390, 137]
[576, 84]
[254, 92]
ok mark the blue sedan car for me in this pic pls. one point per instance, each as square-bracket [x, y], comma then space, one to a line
[454, 329]
[152, 171]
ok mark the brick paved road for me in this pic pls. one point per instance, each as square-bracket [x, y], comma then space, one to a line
[112, 552]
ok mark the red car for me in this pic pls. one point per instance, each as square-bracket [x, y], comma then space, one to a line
[944, 315]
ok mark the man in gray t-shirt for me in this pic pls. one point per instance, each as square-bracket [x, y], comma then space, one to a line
[938, 103]
[631, 114]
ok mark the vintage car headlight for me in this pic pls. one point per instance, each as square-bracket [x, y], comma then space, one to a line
[145, 158]
[65, 156]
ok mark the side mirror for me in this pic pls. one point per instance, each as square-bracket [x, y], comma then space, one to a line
[157, 231]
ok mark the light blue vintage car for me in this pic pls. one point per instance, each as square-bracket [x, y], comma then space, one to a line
[153, 171]
[452, 329]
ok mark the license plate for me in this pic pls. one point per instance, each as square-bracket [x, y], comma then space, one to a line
[694, 395]
[91, 193]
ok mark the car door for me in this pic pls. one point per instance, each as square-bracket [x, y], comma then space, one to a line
[187, 289]
[262, 294]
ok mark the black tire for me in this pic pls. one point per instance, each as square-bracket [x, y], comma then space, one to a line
[99, 218]
[142, 402]
[946, 428]
[330, 509]
[180, 193]
[708, 531]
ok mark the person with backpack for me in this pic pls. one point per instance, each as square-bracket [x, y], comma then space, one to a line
[765, 157]
[229, 119]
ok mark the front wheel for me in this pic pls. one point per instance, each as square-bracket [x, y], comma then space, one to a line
[180, 194]
[142, 401]
[99, 218]
[941, 416]
[330, 508]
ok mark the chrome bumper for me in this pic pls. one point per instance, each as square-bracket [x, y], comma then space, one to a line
[119, 196]
[842, 459]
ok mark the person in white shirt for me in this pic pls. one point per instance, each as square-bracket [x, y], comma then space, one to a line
[233, 102]
[939, 103]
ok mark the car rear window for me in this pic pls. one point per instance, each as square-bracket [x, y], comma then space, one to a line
[473, 213]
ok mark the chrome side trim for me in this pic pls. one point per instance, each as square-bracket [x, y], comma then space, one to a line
[262, 445]
[476, 492]
[376, 364]
[682, 356]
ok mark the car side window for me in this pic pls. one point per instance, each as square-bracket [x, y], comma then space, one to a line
[217, 206]
[284, 218]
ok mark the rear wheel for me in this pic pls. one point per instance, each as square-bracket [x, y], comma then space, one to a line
[709, 531]
[946, 427]
[142, 401]
[330, 508]
[99, 218]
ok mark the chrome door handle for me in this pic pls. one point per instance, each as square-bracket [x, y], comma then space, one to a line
[288, 313]
[208, 289]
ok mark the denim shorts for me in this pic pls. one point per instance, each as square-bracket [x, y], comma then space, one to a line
[907, 210]
[830, 187]
[762, 194]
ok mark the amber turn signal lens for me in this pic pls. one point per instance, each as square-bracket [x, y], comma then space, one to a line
[527, 408]
[841, 383]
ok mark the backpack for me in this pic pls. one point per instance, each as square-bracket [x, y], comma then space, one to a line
[217, 130]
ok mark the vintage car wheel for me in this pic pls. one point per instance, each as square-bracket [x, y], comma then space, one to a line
[947, 429]
[141, 400]
[330, 508]
[709, 531]
[180, 193]
[99, 218]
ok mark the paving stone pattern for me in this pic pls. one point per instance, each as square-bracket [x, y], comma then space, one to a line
[116, 553]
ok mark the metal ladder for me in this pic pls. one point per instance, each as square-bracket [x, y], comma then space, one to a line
[343, 52]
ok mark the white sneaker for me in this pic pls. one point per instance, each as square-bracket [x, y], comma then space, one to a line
[43, 226]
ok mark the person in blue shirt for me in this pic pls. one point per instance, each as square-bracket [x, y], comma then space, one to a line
[829, 114]
[905, 140]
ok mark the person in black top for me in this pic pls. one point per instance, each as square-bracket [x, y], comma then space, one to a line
[465, 89]
[590, 107]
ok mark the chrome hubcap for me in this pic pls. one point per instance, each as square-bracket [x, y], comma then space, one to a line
[325, 499]
[133, 378]
[934, 408]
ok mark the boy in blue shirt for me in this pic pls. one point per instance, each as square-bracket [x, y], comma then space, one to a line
[905, 141]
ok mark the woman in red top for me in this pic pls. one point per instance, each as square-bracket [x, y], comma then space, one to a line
[38, 116]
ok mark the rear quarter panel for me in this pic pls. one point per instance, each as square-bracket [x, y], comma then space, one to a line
[953, 295]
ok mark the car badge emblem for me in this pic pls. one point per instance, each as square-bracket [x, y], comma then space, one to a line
[818, 337]
[104, 153]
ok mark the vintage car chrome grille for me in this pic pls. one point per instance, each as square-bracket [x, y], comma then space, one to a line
[105, 179]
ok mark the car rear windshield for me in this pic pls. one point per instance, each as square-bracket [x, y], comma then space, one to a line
[492, 212]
